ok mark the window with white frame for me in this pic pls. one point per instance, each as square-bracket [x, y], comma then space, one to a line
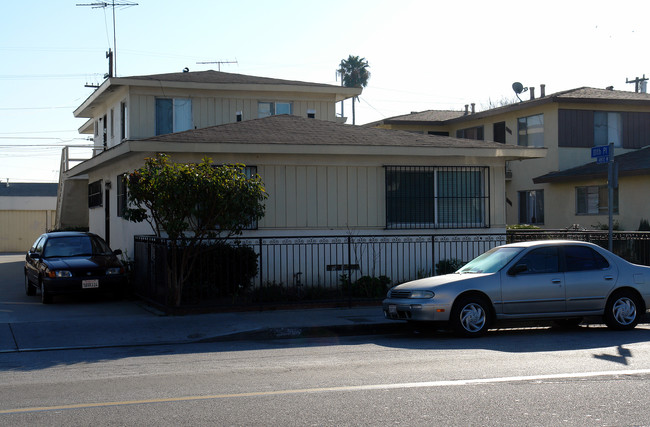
[173, 115]
[266, 109]
[531, 131]
[608, 127]
[436, 197]
[594, 200]
[531, 207]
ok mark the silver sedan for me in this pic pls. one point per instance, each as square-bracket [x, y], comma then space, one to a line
[560, 280]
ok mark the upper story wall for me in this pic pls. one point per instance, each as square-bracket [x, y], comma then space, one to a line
[146, 106]
[130, 113]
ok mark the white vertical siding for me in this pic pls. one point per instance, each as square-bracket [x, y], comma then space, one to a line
[322, 196]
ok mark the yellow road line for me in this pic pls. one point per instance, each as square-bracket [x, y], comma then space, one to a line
[334, 389]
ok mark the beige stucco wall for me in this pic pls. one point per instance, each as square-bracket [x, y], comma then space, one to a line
[633, 201]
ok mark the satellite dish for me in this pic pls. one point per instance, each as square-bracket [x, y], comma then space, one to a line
[518, 88]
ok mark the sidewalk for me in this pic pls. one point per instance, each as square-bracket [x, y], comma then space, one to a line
[150, 329]
[28, 325]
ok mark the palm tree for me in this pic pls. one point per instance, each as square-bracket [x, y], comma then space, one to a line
[354, 73]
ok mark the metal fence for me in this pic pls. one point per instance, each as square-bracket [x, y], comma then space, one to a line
[258, 272]
[333, 269]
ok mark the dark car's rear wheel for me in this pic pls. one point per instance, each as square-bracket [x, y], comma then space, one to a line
[46, 298]
[622, 311]
[30, 289]
[470, 316]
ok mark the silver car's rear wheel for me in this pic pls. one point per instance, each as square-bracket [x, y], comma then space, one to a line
[470, 316]
[622, 311]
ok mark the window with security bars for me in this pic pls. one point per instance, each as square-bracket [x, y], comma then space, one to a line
[437, 197]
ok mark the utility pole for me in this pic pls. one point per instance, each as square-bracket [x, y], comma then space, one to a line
[219, 63]
[113, 4]
[612, 183]
[639, 83]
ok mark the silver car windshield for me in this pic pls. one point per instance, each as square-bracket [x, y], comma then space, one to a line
[491, 261]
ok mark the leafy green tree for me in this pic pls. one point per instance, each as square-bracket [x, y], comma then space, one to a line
[190, 203]
[354, 73]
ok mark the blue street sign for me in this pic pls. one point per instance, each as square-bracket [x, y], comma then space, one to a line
[600, 151]
[602, 159]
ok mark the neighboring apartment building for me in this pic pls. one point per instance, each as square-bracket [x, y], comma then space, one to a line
[568, 124]
[323, 177]
[26, 211]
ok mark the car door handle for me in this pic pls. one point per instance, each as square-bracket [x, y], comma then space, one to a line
[556, 281]
[609, 277]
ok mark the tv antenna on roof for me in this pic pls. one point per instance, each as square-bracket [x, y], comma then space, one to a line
[518, 88]
[219, 63]
[113, 4]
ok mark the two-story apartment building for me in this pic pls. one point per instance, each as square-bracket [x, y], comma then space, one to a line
[137, 107]
[568, 124]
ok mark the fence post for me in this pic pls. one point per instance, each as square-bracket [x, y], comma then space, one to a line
[349, 278]
[433, 255]
[261, 293]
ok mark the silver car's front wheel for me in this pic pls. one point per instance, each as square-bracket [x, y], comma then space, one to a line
[470, 317]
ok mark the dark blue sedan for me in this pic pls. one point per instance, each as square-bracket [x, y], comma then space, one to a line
[72, 262]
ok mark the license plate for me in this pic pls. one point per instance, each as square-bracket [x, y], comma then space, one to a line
[392, 309]
[89, 284]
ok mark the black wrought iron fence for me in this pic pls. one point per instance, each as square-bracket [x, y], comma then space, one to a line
[289, 270]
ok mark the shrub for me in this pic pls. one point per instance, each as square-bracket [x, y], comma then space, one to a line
[222, 270]
[367, 287]
[644, 225]
[522, 227]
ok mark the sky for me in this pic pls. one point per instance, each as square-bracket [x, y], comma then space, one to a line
[422, 55]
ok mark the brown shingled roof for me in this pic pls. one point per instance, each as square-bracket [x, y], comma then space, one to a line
[219, 77]
[288, 129]
[633, 163]
[593, 94]
[578, 95]
[426, 116]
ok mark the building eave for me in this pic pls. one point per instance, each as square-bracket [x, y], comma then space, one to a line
[148, 147]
